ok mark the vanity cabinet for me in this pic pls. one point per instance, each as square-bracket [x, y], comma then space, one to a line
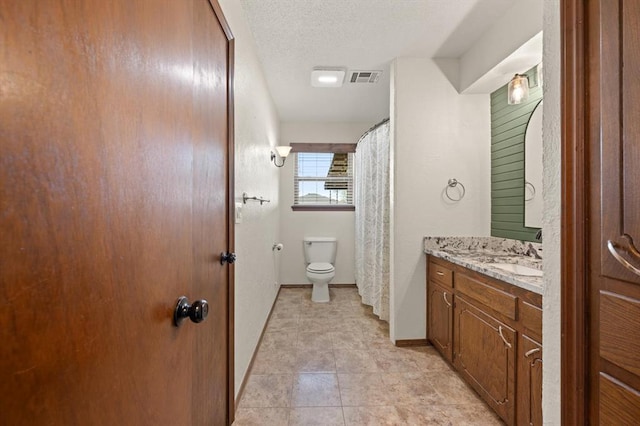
[490, 332]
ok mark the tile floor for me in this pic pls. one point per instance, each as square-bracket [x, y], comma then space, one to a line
[333, 364]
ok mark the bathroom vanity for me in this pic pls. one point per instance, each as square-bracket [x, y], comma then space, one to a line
[485, 318]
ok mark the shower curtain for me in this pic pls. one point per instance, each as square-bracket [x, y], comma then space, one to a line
[372, 201]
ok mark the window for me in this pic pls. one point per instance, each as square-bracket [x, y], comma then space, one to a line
[323, 176]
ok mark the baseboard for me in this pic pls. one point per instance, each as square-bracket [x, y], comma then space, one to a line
[253, 357]
[338, 285]
[411, 342]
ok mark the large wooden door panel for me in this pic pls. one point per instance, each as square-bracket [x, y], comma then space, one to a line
[104, 212]
[613, 166]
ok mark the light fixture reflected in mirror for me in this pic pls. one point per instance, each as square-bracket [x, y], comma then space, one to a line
[282, 151]
[518, 89]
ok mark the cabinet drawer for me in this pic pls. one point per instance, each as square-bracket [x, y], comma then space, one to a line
[498, 300]
[440, 273]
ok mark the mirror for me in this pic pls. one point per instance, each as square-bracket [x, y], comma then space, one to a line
[533, 170]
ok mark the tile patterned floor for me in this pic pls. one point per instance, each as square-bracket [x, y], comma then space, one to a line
[333, 364]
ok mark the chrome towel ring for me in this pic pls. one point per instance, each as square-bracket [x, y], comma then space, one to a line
[452, 183]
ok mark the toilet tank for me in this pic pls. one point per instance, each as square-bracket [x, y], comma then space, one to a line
[320, 249]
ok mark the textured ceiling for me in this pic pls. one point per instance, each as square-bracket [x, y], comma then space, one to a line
[294, 36]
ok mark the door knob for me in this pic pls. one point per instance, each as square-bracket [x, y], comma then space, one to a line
[227, 257]
[196, 312]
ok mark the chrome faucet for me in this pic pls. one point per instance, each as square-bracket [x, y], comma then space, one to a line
[532, 252]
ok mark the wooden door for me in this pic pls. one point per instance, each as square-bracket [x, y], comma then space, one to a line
[484, 353]
[440, 320]
[114, 192]
[614, 169]
[212, 386]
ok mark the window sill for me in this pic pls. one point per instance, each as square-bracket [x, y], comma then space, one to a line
[320, 208]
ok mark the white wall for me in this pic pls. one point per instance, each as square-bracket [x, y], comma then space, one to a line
[551, 321]
[256, 131]
[297, 225]
[436, 134]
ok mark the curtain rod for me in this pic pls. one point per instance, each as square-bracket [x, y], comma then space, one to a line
[373, 128]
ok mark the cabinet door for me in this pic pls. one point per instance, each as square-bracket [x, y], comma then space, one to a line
[484, 354]
[440, 319]
[529, 382]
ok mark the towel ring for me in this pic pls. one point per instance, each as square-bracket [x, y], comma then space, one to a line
[533, 190]
[452, 183]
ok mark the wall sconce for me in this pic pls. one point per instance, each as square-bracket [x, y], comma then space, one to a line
[518, 89]
[283, 151]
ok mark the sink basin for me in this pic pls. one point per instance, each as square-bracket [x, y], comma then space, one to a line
[518, 269]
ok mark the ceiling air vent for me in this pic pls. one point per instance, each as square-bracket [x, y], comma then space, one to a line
[364, 76]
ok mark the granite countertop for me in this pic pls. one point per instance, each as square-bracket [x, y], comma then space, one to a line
[479, 253]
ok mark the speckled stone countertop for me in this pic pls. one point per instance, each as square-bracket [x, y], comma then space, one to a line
[478, 253]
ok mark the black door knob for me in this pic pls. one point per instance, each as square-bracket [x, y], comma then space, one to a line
[196, 312]
[227, 257]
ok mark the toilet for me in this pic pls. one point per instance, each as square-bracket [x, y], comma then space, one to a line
[320, 255]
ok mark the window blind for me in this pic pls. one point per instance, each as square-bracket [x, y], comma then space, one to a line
[323, 179]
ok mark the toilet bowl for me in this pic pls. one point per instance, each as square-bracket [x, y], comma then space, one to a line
[320, 274]
[320, 254]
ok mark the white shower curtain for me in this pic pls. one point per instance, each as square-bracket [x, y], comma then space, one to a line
[372, 199]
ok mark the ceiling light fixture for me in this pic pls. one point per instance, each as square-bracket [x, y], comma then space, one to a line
[327, 77]
[518, 89]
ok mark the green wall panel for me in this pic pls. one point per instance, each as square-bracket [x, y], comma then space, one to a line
[508, 127]
[508, 167]
[508, 175]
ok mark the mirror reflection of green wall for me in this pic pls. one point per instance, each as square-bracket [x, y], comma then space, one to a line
[508, 129]
[533, 169]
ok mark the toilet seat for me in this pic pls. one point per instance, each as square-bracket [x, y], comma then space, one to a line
[321, 268]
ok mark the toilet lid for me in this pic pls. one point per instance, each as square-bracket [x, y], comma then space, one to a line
[320, 267]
